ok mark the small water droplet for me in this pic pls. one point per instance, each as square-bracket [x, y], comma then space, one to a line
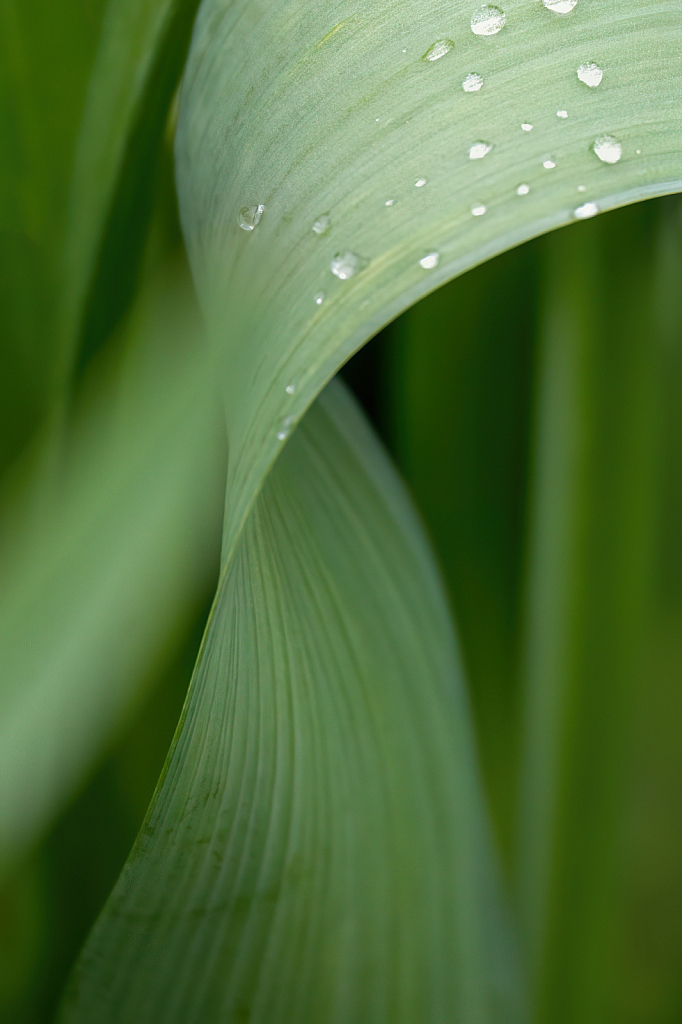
[523, 190]
[586, 210]
[346, 264]
[608, 149]
[563, 114]
[472, 82]
[290, 389]
[479, 210]
[389, 202]
[284, 428]
[638, 152]
[377, 118]
[479, 150]
[525, 127]
[438, 49]
[560, 6]
[405, 50]
[548, 164]
[322, 224]
[582, 188]
[487, 21]
[430, 261]
[591, 74]
[420, 182]
[319, 298]
[249, 216]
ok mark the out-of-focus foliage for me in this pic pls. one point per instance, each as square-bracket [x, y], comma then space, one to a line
[533, 407]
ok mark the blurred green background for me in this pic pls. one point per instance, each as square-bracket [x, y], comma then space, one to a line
[534, 407]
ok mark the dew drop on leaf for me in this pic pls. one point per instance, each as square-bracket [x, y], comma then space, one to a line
[389, 202]
[479, 210]
[438, 49]
[430, 261]
[548, 164]
[563, 114]
[526, 127]
[591, 74]
[420, 182]
[346, 264]
[319, 298]
[472, 82]
[608, 149]
[560, 6]
[479, 149]
[322, 224]
[586, 210]
[487, 21]
[523, 190]
[284, 428]
[249, 216]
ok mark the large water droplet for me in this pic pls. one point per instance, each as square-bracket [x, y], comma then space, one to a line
[591, 74]
[487, 21]
[608, 149]
[430, 261]
[526, 127]
[319, 298]
[420, 182]
[438, 49]
[548, 164]
[560, 6]
[249, 216]
[479, 210]
[322, 224]
[346, 264]
[479, 150]
[472, 82]
[523, 190]
[586, 210]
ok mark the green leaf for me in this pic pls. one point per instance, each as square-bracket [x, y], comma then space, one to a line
[316, 849]
[102, 565]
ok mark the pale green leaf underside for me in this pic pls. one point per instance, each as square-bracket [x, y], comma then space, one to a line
[312, 108]
[316, 850]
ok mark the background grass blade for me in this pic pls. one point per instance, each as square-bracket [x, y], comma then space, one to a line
[316, 850]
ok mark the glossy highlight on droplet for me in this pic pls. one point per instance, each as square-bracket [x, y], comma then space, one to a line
[585, 211]
[420, 182]
[249, 216]
[319, 298]
[438, 49]
[563, 114]
[345, 265]
[472, 82]
[523, 190]
[284, 428]
[430, 261]
[608, 149]
[548, 164]
[487, 21]
[560, 6]
[479, 149]
[526, 127]
[390, 202]
[322, 224]
[479, 209]
[590, 74]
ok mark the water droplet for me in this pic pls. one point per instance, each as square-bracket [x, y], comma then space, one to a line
[322, 224]
[377, 118]
[319, 298]
[548, 164]
[249, 216]
[563, 114]
[487, 21]
[560, 6]
[479, 210]
[420, 182]
[405, 50]
[430, 261]
[472, 82]
[586, 210]
[389, 202]
[284, 428]
[582, 188]
[346, 264]
[438, 49]
[608, 149]
[479, 150]
[525, 127]
[523, 190]
[290, 389]
[638, 152]
[591, 74]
